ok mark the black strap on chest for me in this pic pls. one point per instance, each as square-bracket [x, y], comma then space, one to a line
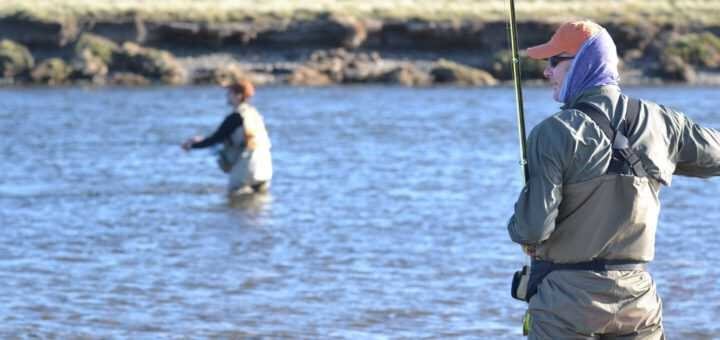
[624, 159]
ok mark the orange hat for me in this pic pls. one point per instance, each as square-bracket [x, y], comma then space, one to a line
[243, 87]
[568, 38]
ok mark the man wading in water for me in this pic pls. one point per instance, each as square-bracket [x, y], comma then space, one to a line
[588, 213]
[246, 150]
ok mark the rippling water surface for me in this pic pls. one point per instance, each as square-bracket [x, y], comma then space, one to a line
[386, 218]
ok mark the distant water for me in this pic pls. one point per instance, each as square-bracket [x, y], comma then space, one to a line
[386, 218]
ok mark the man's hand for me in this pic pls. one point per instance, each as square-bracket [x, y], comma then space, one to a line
[528, 250]
[187, 145]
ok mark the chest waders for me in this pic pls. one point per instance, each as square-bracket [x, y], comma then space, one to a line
[250, 135]
[624, 162]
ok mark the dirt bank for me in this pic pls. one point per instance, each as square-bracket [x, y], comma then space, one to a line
[323, 49]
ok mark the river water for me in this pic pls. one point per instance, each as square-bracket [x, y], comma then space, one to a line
[386, 218]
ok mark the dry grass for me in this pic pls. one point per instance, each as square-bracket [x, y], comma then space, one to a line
[695, 11]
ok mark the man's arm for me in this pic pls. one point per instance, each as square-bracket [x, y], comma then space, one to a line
[698, 148]
[224, 131]
[537, 206]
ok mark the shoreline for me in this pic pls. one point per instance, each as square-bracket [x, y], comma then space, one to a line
[326, 49]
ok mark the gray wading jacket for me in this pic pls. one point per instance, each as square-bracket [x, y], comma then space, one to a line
[572, 211]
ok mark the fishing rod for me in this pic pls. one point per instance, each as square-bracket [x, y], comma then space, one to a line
[520, 278]
[515, 66]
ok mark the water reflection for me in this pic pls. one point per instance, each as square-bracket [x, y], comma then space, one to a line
[252, 204]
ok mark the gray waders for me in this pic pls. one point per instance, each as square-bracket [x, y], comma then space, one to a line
[601, 298]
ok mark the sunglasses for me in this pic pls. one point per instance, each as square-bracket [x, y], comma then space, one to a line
[556, 59]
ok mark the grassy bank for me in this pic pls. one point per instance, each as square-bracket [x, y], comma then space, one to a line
[702, 12]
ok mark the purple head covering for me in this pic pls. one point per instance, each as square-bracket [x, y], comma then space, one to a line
[595, 64]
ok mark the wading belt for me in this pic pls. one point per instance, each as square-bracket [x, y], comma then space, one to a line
[623, 157]
[540, 269]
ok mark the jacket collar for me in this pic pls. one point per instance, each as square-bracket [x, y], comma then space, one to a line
[596, 95]
[604, 98]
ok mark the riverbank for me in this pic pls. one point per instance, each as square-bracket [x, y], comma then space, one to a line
[279, 42]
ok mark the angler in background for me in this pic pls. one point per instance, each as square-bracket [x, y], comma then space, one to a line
[245, 155]
[588, 213]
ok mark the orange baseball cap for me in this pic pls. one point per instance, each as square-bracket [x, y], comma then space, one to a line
[568, 38]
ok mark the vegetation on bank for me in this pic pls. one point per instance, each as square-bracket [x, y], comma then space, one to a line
[703, 12]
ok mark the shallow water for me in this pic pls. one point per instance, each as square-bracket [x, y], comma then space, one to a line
[386, 218]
